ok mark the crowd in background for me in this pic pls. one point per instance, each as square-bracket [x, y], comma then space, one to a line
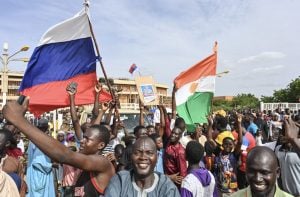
[235, 153]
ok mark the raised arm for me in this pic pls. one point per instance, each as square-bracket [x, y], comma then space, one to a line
[238, 121]
[121, 125]
[162, 123]
[115, 123]
[141, 113]
[209, 132]
[164, 118]
[72, 89]
[98, 89]
[174, 102]
[14, 113]
[292, 133]
[118, 122]
[98, 112]
[109, 115]
[104, 107]
[166, 122]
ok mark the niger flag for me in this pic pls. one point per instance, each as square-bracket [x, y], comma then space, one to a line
[195, 89]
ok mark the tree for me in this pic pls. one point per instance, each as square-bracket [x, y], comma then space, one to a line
[267, 99]
[294, 91]
[290, 94]
[222, 104]
[281, 95]
[245, 101]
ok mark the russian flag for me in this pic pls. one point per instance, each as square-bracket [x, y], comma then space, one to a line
[65, 53]
[132, 68]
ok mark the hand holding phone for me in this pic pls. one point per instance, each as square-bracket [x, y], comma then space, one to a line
[21, 99]
[72, 87]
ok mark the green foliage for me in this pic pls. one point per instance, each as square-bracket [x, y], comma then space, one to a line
[281, 95]
[294, 93]
[290, 94]
[222, 104]
[241, 101]
[267, 99]
[245, 101]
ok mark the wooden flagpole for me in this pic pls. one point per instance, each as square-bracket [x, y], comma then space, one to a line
[215, 50]
[86, 4]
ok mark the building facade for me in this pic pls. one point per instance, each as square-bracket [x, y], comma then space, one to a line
[224, 98]
[129, 97]
[9, 84]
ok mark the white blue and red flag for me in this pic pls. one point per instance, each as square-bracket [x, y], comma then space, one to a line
[65, 53]
[132, 68]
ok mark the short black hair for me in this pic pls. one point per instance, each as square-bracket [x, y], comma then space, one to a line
[179, 121]
[119, 147]
[103, 123]
[194, 152]
[144, 138]
[209, 148]
[107, 126]
[154, 136]
[43, 124]
[221, 122]
[104, 134]
[150, 126]
[261, 151]
[228, 138]
[8, 135]
[129, 140]
[137, 128]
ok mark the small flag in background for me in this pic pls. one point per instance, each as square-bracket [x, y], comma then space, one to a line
[133, 68]
[65, 54]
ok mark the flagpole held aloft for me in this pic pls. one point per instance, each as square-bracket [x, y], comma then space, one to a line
[195, 90]
[134, 68]
[215, 49]
[47, 89]
[86, 5]
[98, 54]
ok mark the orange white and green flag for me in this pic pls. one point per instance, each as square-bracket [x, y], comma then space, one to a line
[195, 90]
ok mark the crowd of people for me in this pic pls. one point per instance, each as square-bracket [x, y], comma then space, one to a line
[238, 153]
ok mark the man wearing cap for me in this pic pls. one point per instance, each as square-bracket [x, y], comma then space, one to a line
[39, 169]
[61, 137]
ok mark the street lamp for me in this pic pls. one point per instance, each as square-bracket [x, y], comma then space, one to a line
[221, 74]
[5, 59]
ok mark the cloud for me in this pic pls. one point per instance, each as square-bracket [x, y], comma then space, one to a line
[270, 68]
[264, 56]
[166, 37]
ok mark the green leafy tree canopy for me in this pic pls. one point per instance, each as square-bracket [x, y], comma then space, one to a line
[290, 94]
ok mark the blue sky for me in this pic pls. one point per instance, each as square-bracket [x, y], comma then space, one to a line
[258, 40]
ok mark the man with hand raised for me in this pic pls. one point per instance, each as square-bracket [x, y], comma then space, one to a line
[96, 169]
